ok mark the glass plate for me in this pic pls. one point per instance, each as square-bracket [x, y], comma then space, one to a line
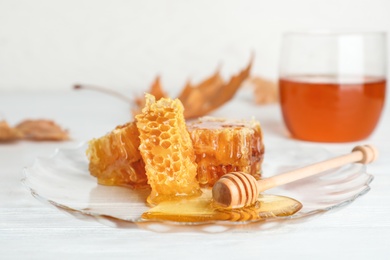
[64, 181]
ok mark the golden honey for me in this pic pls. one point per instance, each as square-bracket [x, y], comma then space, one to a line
[222, 146]
[202, 209]
[175, 160]
[160, 151]
[167, 150]
[115, 159]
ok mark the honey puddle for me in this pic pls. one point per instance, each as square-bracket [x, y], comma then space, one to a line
[202, 209]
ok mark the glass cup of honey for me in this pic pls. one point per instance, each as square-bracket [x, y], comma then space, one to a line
[332, 84]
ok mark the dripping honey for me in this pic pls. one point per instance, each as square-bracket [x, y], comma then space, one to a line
[327, 110]
[202, 209]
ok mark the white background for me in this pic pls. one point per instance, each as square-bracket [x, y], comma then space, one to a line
[51, 45]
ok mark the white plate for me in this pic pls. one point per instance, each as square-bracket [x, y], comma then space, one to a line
[64, 181]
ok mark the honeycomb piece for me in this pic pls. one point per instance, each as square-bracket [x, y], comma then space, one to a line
[167, 151]
[223, 146]
[115, 159]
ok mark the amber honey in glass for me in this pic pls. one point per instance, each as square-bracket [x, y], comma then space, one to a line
[323, 109]
[332, 85]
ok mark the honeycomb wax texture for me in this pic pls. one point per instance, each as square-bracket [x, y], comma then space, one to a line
[167, 150]
[115, 159]
[223, 146]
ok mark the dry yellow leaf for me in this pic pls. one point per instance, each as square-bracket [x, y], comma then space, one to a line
[7, 133]
[42, 130]
[198, 100]
[203, 98]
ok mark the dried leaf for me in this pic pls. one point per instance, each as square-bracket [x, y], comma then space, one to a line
[265, 91]
[214, 98]
[201, 99]
[198, 100]
[186, 92]
[42, 130]
[191, 103]
[7, 133]
[156, 89]
[209, 87]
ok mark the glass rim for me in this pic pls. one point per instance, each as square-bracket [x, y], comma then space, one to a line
[332, 32]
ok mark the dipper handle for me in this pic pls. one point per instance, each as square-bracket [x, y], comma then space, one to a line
[238, 189]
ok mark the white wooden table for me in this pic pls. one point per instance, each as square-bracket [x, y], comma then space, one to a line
[33, 229]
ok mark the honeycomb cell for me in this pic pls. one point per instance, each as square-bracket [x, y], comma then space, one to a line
[158, 159]
[154, 132]
[223, 146]
[175, 175]
[153, 125]
[115, 159]
[166, 144]
[164, 136]
[164, 128]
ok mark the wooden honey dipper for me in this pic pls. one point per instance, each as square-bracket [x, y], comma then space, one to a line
[239, 189]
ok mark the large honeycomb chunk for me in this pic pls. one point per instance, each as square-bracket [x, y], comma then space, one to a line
[223, 146]
[167, 150]
[115, 159]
